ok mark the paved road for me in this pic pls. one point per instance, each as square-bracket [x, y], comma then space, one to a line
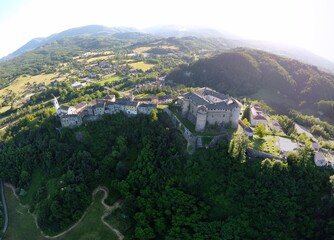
[4, 208]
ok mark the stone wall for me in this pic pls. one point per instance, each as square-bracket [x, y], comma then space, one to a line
[255, 153]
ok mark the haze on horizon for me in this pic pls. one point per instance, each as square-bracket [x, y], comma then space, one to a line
[302, 23]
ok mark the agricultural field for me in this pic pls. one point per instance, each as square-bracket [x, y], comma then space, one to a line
[20, 85]
[171, 47]
[109, 78]
[142, 66]
[141, 49]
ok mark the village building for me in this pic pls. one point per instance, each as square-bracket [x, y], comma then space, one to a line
[146, 108]
[274, 125]
[98, 109]
[315, 146]
[248, 131]
[257, 116]
[78, 84]
[74, 116]
[71, 120]
[206, 107]
[319, 159]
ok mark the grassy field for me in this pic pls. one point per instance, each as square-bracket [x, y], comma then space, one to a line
[99, 58]
[18, 86]
[21, 223]
[266, 144]
[36, 179]
[169, 47]
[141, 49]
[109, 78]
[4, 109]
[91, 227]
[119, 222]
[142, 66]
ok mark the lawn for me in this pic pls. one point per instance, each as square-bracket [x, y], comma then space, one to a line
[109, 78]
[141, 66]
[36, 180]
[21, 224]
[18, 86]
[117, 220]
[91, 227]
[267, 144]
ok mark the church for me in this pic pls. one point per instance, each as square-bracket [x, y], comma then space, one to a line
[206, 107]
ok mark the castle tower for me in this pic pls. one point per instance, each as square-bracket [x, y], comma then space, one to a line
[185, 106]
[201, 118]
[55, 103]
[235, 114]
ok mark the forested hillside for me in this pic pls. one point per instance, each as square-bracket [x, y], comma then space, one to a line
[216, 193]
[243, 72]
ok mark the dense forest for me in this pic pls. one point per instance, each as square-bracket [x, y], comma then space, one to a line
[243, 72]
[216, 193]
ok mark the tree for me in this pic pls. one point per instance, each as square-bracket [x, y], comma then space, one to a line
[154, 115]
[238, 147]
[246, 122]
[260, 130]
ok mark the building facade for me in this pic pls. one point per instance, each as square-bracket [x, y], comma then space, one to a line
[206, 107]
[74, 116]
[257, 116]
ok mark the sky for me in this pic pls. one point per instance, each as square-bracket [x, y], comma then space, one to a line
[304, 23]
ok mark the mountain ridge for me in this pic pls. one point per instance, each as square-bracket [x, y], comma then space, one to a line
[176, 31]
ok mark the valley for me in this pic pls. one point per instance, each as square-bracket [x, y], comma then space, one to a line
[162, 175]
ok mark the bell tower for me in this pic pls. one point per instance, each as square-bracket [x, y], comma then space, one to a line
[55, 103]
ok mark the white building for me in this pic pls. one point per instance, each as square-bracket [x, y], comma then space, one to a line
[257, 116]
[320, 159]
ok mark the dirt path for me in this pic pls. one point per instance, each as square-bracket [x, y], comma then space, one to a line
[108, 211]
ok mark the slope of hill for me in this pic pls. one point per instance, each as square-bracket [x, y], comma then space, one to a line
[244, 72]
[290, 51]
[91, 30]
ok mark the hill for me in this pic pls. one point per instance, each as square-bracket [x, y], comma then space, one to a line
[245, 72]
[90, 30]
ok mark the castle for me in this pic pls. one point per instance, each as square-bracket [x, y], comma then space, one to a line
[206, 107]
[71, 116]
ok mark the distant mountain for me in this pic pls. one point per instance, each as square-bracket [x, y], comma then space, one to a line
[182, 31]
[86, 30]
[247, 72]
[223, 40]
[287, 51]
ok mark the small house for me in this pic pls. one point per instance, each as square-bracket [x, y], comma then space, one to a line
[319, 159]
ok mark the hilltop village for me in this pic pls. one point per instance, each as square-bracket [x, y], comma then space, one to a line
[72, 116]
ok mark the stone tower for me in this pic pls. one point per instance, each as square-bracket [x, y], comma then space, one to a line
[55, 103]
[201, 118]
[235, 114]
[185, 106]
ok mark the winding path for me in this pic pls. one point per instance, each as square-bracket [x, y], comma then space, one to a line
[5, 226]
[108, 211]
